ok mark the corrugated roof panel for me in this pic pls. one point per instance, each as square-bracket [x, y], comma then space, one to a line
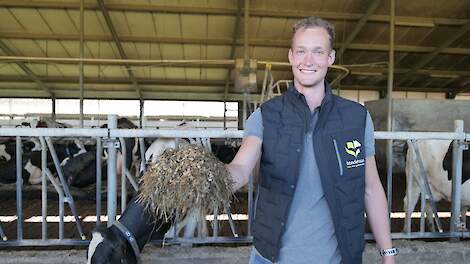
[113, 71]
[436, 38]
[37, 69]
[172, 51]
[444, 61]
[195, 74]
[328, 6]
[139, 72]
[11, 69]
[144, 50]
[8, 22]
[193, 52]
[120, 23]
[154, 52]
[216, 52]
[69, 70]
[99, 49]
[463, 41]
[59, 21]
[411, 35]
[182, 88]
[370, 33]
[130, 49]
[141, 24]
[439, 8]
[463, 63]
[265, 53]
[194, 26]
[92, 71]
[157, 73]
[31, 19]
[222, 26]
[19, 85]
[53, 48]
[216, 74]
[272, 28]
[25, 47]
[72, 48]
[168, 25]
[174, 73]
[221, 3]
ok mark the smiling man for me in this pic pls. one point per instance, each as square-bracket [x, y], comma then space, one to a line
[318, 172]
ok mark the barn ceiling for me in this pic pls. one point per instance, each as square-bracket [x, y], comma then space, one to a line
[189, 46]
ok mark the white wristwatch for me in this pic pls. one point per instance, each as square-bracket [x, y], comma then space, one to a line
[389, 252]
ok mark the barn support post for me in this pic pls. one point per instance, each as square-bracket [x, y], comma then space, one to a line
[112, 186]
[245, 108]
[123, 174]
[141, 112]
[53, 114]
[142, 155]
[82, 53]
[19, 186]
[99, 152]
[2, 234]
[389, 104]
[457, 154]
[250, 204]
[44, 188]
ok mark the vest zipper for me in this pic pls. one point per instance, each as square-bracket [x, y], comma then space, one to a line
[339, 158]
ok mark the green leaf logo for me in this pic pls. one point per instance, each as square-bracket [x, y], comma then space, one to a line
[353, 148]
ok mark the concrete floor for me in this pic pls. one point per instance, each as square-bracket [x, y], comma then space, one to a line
[410, 252]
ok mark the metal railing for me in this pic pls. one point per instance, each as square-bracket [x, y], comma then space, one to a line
[111, 137]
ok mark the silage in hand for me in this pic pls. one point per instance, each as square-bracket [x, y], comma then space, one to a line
[185, 178]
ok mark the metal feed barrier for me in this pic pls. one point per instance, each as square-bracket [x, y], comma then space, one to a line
[111, 138]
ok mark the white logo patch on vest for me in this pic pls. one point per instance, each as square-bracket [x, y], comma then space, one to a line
[353, 148]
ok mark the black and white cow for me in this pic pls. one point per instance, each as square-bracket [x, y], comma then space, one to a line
[115, 244]
[111, 245]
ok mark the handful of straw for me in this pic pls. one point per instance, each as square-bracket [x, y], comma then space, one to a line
[182, 179]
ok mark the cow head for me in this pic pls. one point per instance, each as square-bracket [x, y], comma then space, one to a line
[107, 246]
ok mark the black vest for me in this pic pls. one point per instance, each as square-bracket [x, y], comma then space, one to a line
[338, 139]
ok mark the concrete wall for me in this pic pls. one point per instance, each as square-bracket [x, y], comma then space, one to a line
[415, 115]
[420, 114]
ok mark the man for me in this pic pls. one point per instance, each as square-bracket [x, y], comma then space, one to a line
[318, 171]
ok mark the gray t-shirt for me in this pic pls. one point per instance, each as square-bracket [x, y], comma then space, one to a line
[309, 233]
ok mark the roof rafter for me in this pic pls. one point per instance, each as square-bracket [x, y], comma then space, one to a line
[236, 28]
[421, 63]
[27, 70]
[224, 42]
[113, 80]
[372, 7]
[116, 40]
[400, 20]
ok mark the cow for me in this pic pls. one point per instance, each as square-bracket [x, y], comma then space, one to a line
[80, 170]
[30, 163]
[433, 153]
[109, 245]
[124, 240]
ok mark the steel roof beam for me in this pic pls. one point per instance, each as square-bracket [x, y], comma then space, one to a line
[372, 7]
[234, 44]
[116, 40]
[424, 61]
[27, 70]
[225, 42]
[400, 20]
